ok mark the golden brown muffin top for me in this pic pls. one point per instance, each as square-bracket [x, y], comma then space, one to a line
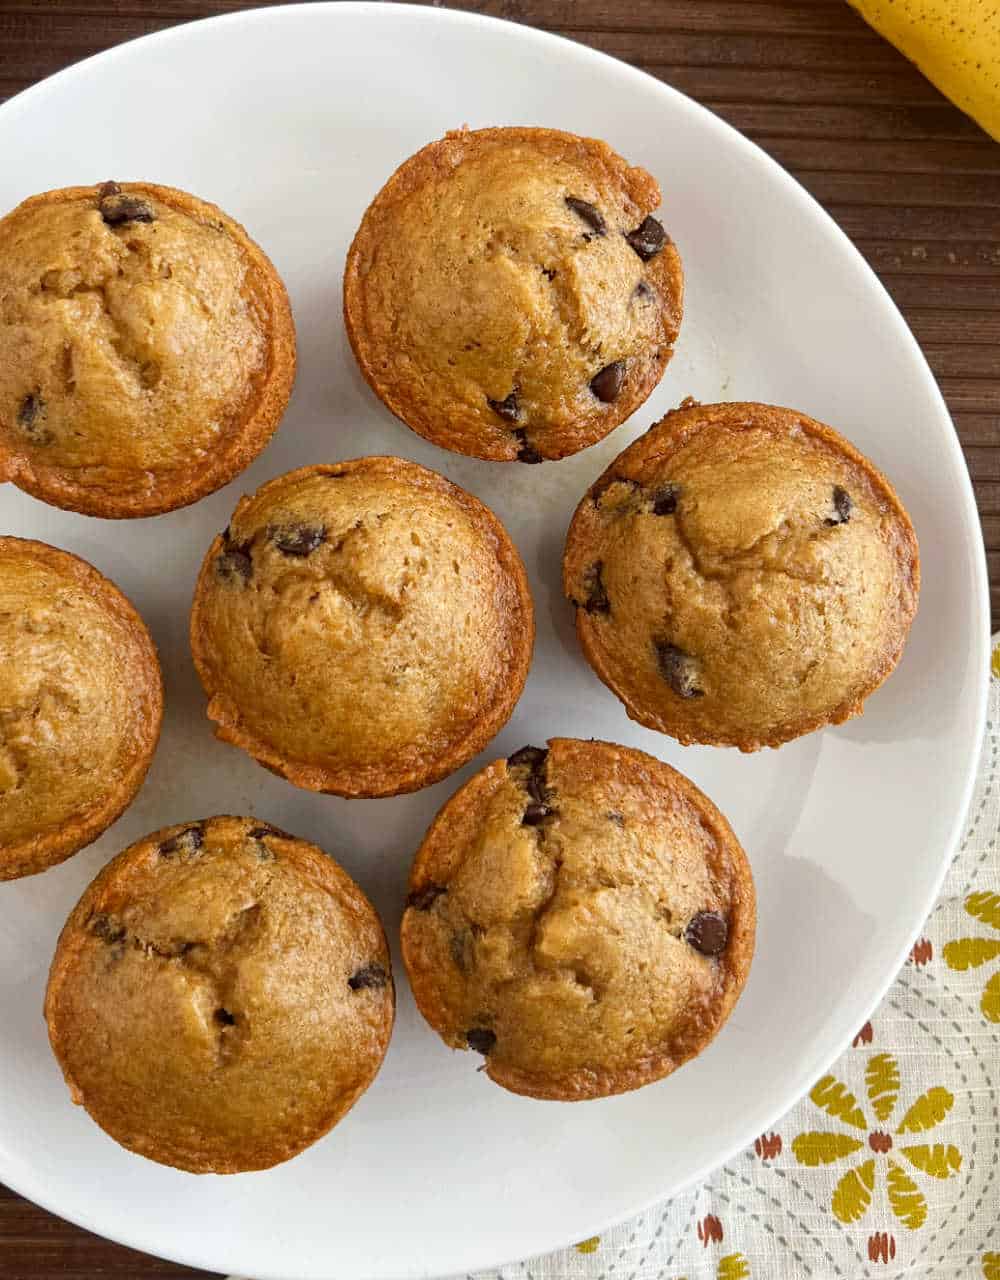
[508, 294]
[363, 627]
[742, 575]
[146, 348]
[81, 702]
[584, 917]
[220, 996]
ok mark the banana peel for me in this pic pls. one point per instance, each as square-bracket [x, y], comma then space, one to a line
[955, 43]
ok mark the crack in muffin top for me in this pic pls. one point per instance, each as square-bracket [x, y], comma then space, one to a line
[583, 916]
[509, 295]
[363, 627]
[142, 336]
[742, 575]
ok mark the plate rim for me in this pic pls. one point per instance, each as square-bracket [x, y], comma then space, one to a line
[766, 1112]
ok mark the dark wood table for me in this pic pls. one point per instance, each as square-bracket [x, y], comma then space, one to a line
[913, 182]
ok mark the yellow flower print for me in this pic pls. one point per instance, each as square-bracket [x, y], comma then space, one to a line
[733, 1267]
[853, 1192]
[995, 662]
[991, 1266]
[589, 1246]
[970, 953]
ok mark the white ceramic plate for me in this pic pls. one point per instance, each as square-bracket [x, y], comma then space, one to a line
[291, 119]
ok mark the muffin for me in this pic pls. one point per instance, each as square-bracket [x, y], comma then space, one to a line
[741, 575]
[510, 295]
[582, 916]
[81, 701]
[362, 628]
[220, 996]
[146, 348]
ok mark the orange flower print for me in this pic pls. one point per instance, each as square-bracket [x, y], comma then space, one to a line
[768, 1145]
[970, 953]
[881, 1247]
[864, 1036]
[709, 1230]
[922, 951]
[853, 1193]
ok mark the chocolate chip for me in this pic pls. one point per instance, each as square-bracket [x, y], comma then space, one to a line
[108, 189]
[481, 1039]
[31, 416]
[533, 757]
[678, 668]
[224, 1018]
[258, 833]
[842, 506]
[423, 899]
[597, 597]
[607, 384]
[590, 215]
[617, 818]
[527, 451]
[189, 840]
[117, 208]
[707, 932]
[549, 273]
[372, 975]
[507, 408]
[648, 238]
[535, 814]
[107, 930]
[642, 290]
[233, 564]
[298, 539]
[665, 500]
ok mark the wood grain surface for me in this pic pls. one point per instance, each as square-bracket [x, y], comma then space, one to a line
[911, 180]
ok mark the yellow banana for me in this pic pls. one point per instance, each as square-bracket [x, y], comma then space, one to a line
[955, 43]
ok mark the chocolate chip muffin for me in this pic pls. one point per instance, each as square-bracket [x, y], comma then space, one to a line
[220, 996]
[81, 701]
[509, 293]
[146, 348]
[362, 628]
[582, 916]
[741, 575]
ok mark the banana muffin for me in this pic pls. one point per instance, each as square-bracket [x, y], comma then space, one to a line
[220, 996]
[147, 351]
[583, 916]
[81, 701]
[509, 293]
[362, 628]
[741, 575]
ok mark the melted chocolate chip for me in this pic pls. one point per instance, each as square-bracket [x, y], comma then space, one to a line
[707, 932]
[617, 818]
[460, 947]
[527, 452]
[589, 214]
[533, 757]
[481, 1039]
[118, 209]
[648, 238]
[298, 539]
[224, 1018]
[108, 189]
[665, 500]
[189, 840]
[597, 597]
[258, 833]
[535, 814]
[507, 408]
[423, 899]
[372, 975]
[607, 384]
[679, 669]
[642, 290]
[233, 564]
[549, 273]
[31, 415]
[107, 930]
[842, 506]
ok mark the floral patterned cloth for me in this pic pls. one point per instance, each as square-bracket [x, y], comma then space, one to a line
[891, 1166]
